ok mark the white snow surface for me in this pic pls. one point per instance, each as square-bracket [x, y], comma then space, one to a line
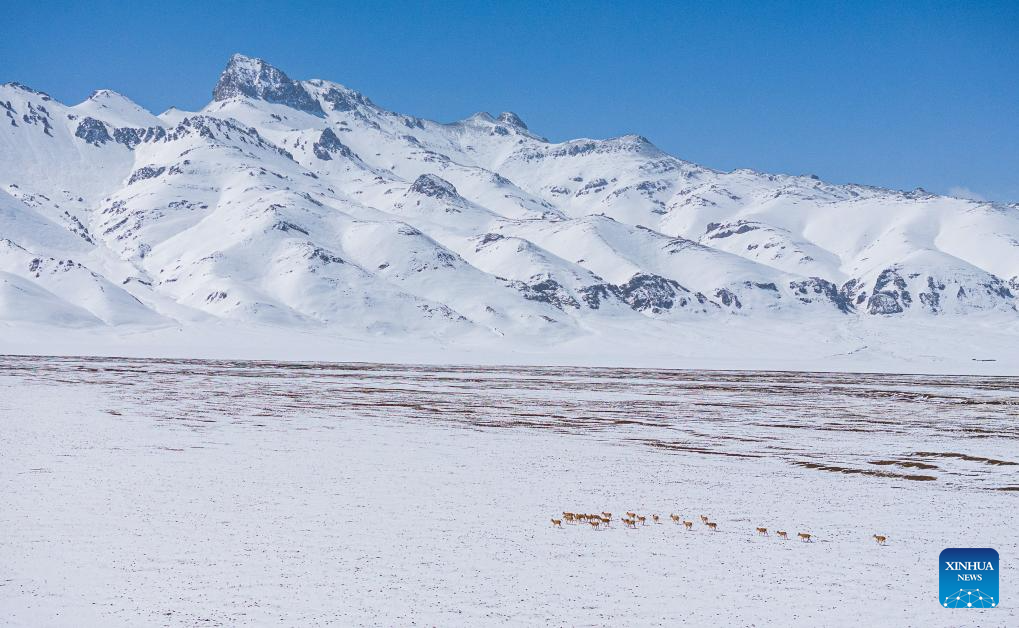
[184, 493]
[304, 214]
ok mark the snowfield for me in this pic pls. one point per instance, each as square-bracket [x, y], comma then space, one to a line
[944, 345]
[167, 492]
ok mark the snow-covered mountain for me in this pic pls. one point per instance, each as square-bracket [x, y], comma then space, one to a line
[304, 204]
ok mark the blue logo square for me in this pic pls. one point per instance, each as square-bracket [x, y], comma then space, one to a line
[969, 577]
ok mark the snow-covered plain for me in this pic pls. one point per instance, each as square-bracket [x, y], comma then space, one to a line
[162, 492]
[946, 346]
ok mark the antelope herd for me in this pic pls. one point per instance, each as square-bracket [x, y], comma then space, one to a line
[633, 520]
[604, 518]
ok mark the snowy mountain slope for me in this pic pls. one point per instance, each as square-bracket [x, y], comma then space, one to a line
[305, 204]
[24, 301]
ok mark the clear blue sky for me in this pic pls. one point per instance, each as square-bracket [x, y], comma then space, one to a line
[886, 93]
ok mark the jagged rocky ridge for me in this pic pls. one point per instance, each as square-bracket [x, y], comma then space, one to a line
[305, 203]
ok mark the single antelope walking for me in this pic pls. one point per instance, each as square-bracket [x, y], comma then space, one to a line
[631, 515]
[557, 523]
[712, 526]
[595, 523]
[630, 523]
[804, 537]
[688, 525]
[880, 538]
[606, 520]
[675, 518]
[762, 531]
[782, 534]
[704, 519]
[568, 516]
[655, 518]
[642, 520]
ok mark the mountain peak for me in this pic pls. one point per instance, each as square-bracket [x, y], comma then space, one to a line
[512, 119]
[107, 94]
[480, 116]
[254, 78]
[116, 109]
[26, 88]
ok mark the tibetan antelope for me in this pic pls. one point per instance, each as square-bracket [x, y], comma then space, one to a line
[688, 525]
[631, 515]
[642, 520]
[880, 538]
[804, 537]
[712, 526]
[557, 523]
[607, 514]
[675, 518]
[595, 523]
[606, 521]
[762, 531]
[655, 518]
[568, 516]
[782, 534]
[630, 523]
[704, 519]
